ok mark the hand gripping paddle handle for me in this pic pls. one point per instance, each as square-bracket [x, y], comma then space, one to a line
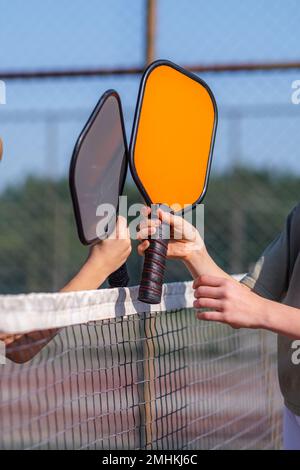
[154, 269]
[119, 278]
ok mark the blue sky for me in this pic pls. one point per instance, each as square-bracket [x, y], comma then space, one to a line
[69, 33]
[73, 34]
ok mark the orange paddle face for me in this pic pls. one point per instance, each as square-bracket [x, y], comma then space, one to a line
[173, 136]
[171, 148]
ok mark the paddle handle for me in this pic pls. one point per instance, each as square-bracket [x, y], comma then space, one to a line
[154, 269]
[119, 278]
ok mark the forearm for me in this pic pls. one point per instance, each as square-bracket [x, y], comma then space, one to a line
[90, 277]
[200, 263]
[281, 319]
[22, 348]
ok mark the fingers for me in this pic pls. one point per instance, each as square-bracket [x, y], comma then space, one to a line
[121, 223]
[143, 247]
[121, 231]
[205, 302]
[208, 280]
[166, 217]
[147, 228]
[170, 219]
[210, 316]
[180, 227]
[1, 149]
[146, 211]
[209, 295]
[145, 233]
[207, 291]
[149, 223]
[8, 339]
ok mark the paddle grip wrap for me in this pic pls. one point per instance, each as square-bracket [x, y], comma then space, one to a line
[119, 278]
[154, 269]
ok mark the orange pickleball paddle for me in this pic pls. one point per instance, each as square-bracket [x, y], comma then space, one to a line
[171, 149]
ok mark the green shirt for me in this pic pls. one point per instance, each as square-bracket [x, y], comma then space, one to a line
[276, 276]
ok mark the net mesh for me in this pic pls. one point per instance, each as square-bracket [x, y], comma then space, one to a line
[134, 380]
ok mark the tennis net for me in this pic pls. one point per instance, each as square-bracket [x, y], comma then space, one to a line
[101, 370]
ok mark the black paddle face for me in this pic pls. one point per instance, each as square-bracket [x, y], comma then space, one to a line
[98, 170]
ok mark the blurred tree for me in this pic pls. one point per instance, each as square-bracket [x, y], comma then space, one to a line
[244, 211]
[40, 250]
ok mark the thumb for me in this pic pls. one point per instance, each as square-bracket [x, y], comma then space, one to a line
[120, 231]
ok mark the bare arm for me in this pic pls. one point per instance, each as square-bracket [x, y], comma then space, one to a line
[200, 263]
[231, 302]
[104, 258]
[228, 301]
[22, 348]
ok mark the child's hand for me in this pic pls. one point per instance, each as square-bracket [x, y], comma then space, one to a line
[114, 251]
[228, 302]
[185, 241]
